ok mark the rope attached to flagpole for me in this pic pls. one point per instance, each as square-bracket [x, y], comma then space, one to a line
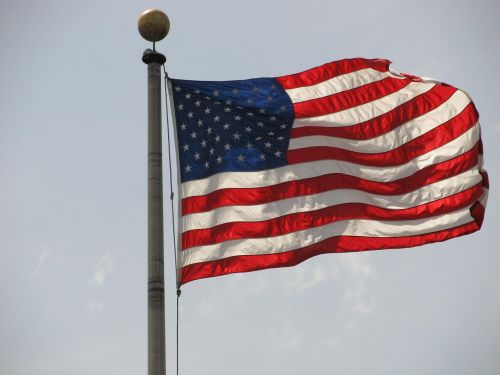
[172, 212]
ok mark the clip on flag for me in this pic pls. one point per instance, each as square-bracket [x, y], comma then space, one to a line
[348, 156]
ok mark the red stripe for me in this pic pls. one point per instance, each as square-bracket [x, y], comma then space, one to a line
[386, 122]
[349, 98]
[477, 212]
[305, 220]
[249, 196]
[486, 179]
[331, 70]
[338, 244]
[427, 142]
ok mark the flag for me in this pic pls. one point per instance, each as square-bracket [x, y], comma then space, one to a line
[347, 156]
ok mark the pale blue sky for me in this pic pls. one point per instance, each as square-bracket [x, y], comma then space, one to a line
[73, 197]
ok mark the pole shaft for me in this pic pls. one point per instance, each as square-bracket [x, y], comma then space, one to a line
[156, 290]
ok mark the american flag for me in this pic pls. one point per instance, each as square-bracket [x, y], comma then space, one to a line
[348, 156]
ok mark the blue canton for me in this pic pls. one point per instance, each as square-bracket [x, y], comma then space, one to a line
[231, 126]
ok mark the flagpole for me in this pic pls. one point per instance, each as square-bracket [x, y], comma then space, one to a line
[154, 26]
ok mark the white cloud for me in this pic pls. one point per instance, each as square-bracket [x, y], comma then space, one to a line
[47, 256]
[103, 269]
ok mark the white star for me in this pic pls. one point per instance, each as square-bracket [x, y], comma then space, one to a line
[283, 126]
[193, 135]
[209, 130]
[249, 145]
[236, 136]
[197, 91]
[211, 151]
[188, 168]
[228, 102]
[197, 103]
[207, 110]
[273, 118]
[268, 144]
[271, 133]
[226, 126]
[283, 108]
[188, 96]
[262, 110]
[200, 122]
[248, 129]
[180, 107]
[197, 156]
[260, 124]
[186, 147]
[207, 164]
[241, 157]
[237, 117]
[217, 138]
[219, 160]
[249, 114]
[216, 93]
[203, 143]
[262, 156]
[183, 127]
[227, 147]
[216, 119]
[177, 88]
[258, 138]
[227, 109]
[281, 138]
[190, 114]
[277, 153]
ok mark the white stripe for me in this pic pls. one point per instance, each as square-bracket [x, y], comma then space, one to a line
[395, 138]
[294, 172]
[300, 239]
[313, 202]
[484, 198]
[367, 111]
[178, 165]
[337, 84]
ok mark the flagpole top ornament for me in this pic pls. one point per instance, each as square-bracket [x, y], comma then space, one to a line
[153, 25]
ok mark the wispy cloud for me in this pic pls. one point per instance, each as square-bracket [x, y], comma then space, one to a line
[285, 336]
[357, 298]
[47, 256]
[103, 269]
[205, 307]
[302, 278]
[436, 68]
[94, 306]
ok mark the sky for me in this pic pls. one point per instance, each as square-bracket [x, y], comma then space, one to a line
[73, 197]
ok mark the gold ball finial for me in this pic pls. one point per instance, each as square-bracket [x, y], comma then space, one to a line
[153, 25]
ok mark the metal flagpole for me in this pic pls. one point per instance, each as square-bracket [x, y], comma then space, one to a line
[154, 26]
